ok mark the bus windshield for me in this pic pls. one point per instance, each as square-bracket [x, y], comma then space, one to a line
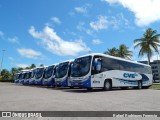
[62, 69]
[17, 76]
[48, 72]
[22, 75]
[28, 75]
[32, 73]
[81, 66]
[39, 73]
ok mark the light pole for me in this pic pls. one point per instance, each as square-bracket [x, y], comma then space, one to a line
[2, 61]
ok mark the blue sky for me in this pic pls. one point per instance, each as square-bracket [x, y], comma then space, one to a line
[51, 31]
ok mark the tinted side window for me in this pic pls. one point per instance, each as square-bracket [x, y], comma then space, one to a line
[109, 64]
[127, 66]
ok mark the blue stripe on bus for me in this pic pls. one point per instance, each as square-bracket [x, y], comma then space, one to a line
[145, 79]
[131, 82]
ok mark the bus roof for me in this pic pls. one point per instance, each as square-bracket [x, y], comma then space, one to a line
[67, 61]
[104, 55]
[24, 70]
[41, 67]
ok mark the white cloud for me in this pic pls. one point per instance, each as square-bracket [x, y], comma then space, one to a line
[145, 11]
[89, 32]
[120, 22]
[80, 26]
[11, 58]
[13, 40]
[1, 35]
[154, 57]
[96, 41]
[29, 53]
[102, 23]
[21, 65]
[81, 9]
[56, 45]
[56, 20]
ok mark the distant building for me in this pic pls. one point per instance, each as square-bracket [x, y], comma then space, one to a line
[155, 68]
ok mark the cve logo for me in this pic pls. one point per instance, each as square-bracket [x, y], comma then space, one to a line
[129, 75]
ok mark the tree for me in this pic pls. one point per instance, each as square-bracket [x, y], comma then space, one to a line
[123, 52]
[27, 68]
[13, 72]
[5, 74]
[19, 68]
[41, 65]
[148, 44]
[113, 51]
[32, 66]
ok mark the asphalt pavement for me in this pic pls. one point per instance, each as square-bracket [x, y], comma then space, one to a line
[15, 97]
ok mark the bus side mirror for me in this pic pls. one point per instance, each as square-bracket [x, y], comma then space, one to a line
[98, 67]
[98, 64]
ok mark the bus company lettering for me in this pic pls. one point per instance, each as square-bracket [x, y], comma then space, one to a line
[129, 75]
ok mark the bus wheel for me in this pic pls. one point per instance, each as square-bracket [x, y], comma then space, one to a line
[124, 88]
[89, 89]
[139, 84]
[71, 87]
[107, 85]
[145, 87]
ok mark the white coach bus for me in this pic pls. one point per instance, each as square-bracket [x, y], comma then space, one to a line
[104, 71]
[63, 71]
[32, 78]
[39, 75]
[49, 75]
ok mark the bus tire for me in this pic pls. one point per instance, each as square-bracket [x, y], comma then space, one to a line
[124, 88]
[145, 87]
[140, 84]
[89, 89]
[107, 85]
[71, 87]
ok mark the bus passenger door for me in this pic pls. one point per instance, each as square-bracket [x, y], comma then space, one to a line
[97, 75]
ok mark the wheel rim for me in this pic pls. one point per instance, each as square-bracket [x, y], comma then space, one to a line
[107, 85]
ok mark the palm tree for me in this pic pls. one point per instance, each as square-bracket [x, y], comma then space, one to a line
[13, 72]
[113, 51]
[148, 43]
[124, 52]
[19, 68]
[41, 65]
[32, 66]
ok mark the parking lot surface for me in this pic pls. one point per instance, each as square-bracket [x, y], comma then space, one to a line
[38, 98]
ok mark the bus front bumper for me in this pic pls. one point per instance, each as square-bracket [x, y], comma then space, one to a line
[49, 82]
[16, 81]
[26, 82]
[31, 82]
[38, 82]
[21, 81]
[83, 84]
[62, 83]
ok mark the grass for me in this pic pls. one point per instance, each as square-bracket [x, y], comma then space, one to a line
[155, 86]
